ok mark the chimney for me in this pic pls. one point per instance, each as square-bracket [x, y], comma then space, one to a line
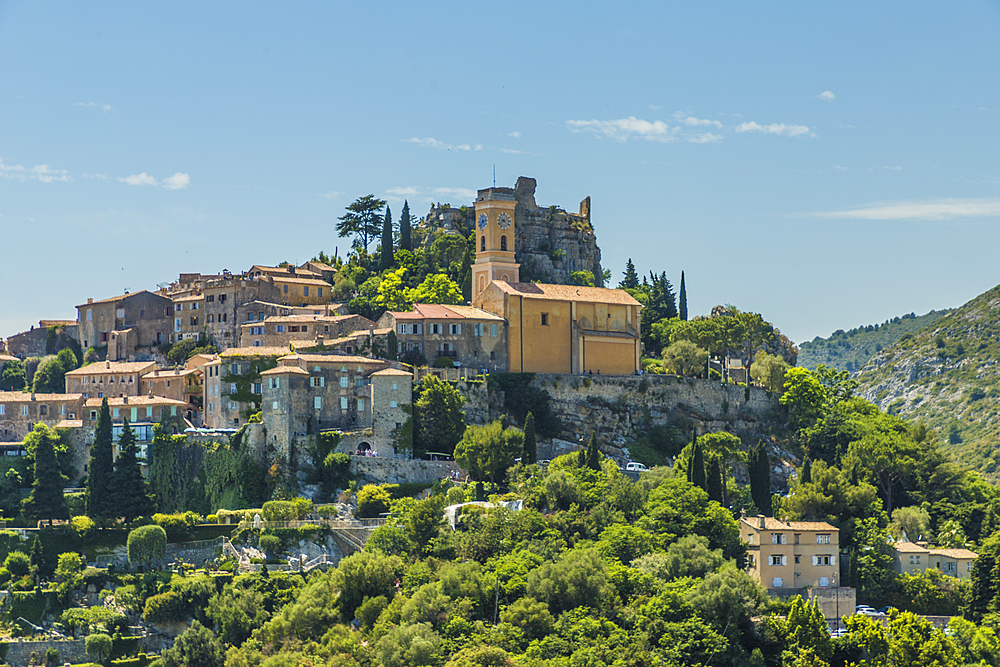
[761, 521]
[107, 364]
[89, 301]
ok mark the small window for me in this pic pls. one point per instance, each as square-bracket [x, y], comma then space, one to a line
[824, 581]
[777, 538]
[361, 405]
[317, 402]
[274, 405]
[286, 289]
[319, 291]
[477, 329]
[503, 243]
[482, 244]
[115, 413]
[545, 319]
[93, 414]
[456, 329]
[344, 381]
[395, 386]
[777, 560]
[343, 402]
[305, 291]
[822, 539]
[777, 582]
[493, 331]
[392, 404]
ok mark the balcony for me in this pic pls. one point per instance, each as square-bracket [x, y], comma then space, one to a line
[451, 354]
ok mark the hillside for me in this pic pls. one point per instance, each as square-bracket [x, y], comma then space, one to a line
[945, 375]
[851, 350]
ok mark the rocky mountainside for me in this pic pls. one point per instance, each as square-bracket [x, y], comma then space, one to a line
[550, 243]
[946, 376]
[851, 350]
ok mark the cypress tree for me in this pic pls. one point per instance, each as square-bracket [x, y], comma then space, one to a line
[129, 489]
[404, 228]
[698, 477]
[631, 279]
[530, 445]
[714, 481]
[760, 479]
[682, 300]
[593, 453]
[101, 468]
[386, 258]
[690, 467]
[46, 500]
[37, 555]
[806, 473]
[465, 275]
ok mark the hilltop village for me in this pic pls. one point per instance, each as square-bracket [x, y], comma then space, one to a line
[465, 449]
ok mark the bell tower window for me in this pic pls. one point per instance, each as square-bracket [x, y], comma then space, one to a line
[503, 243]
[482, 245]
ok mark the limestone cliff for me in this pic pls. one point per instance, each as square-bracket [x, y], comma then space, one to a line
[550, 243]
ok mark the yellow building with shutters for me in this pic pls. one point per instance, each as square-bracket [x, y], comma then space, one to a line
[550, 328]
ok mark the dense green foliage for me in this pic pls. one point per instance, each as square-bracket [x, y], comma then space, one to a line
[146, 545]
[46, 500]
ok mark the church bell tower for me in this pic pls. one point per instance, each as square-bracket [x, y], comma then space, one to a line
[494, 239]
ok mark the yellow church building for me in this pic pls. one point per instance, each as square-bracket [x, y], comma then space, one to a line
[550, 328]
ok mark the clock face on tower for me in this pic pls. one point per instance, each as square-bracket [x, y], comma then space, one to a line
[504, 221]
[482, 221]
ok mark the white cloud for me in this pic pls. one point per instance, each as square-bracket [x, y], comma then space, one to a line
[690, 120]
[622, 129]
[40, 172]
[330, 195]
[930, 210]
[178, 181]
[413, 193]
[94, 105]
[410, 190]
[893, 168]
[98, 176]
[705, 138]
[654, 107]
[780, 129]
[457, 193]
[516, 135]
[511, 151]
[139, 179]
[826, 95]
[431, 142]
[839, 168]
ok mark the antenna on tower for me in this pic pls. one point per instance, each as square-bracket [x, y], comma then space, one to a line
[494, 174]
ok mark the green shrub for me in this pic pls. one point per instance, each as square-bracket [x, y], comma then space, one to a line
[175, 525]
[166, 607]
[212, 518]
[372, 501]
[280, 510]
[83, 525]
[95, 576]
[235, 516]
[17, 563]
[270, 543]
[146, 545]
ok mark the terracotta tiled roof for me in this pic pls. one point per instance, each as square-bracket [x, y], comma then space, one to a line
[133, 401]
[770, 523]
[167, 373]
[812, 525]
[113, 368]
[24, 397]
[276, 351]
[301, 281]
[392, 371]
[909, 548]
[285, 370]
[433, 311]
[473, 313]
[333, 359]
[567, 293]
[320, 265]
[190, 297]
[954, 553]
[297, 319]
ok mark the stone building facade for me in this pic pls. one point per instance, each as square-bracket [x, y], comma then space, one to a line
[149, 315]
[791, 555]
[109, 378]
[280, 330]
[224, 297]
[473, 337]
[35, 341]
[189, 317]
[20, 411]
[232, 384]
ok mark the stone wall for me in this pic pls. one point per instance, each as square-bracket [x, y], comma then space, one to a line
[23, 653]
[33, 342]
[382, 470]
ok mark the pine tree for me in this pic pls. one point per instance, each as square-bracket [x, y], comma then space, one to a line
[37, 554]
[714, 480]
[101, 468]
[759, 469]
[631, 279]
[386, 258]
[530, 444]
[130, 493]
[682, 300]
[698, 477]
[404, 228]
[46, 500]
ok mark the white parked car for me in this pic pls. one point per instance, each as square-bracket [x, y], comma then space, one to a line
[635, 466]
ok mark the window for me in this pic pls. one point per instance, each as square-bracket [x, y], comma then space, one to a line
[211, 319]
[482, 244]
[824, 560]
[114, 413]
[477, 329]
[280, 328]
[317, 381]
[503, 243]
[824, 581]
[343, 381]
[260, 316]
[305, 291]
[258, 343]
[545, 319]
[222, 298]
[777, 582]
[62, 409]
[361, 405]
[89, 315]
[493, 331]
[402, 328]
[225, 317]
[234, 369]
[142, 313]
[249, 317]
[274, 405]
[750, 538]
[232, 387]
[210, 298]
[177, 324]
[194, 306]
[121, 313]
[435, 328]
[93, 415]
[950, 567]
[822, 539]
[286, 289]
[24, 411]
[179, 307]
[317, 402]
[797, 559]
[779, 560]
[194, 321]
[134, 415]
[777, 538]
[149, 410]
[359, 382]
[304, 328]
[392, 404]
[395, 386]
[319, 291]
[343, 402]
[456, 329]
[43, 410]
[256, 387]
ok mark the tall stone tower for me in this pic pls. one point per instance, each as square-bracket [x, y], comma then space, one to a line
[494, 239]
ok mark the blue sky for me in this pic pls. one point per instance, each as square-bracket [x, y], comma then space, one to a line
[826, 165]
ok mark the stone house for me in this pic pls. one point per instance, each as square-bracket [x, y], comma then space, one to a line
[142, 413]
[232, 384]
[309, 393]
[916, 557]
[256, 312]
[189, 316]
[472, 337]
[299, 291]
[20, 411]
[280, 330]
[791, 555]
[108, 378]
[147, 316]
[183, 385]
[324, 271]
[257, 271]
[224, 297]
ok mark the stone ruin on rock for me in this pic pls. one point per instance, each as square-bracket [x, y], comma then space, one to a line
[551, 243]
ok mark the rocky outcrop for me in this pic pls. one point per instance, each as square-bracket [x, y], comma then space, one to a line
[550, 244]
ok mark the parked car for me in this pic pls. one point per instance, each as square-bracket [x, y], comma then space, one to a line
[635, 466]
